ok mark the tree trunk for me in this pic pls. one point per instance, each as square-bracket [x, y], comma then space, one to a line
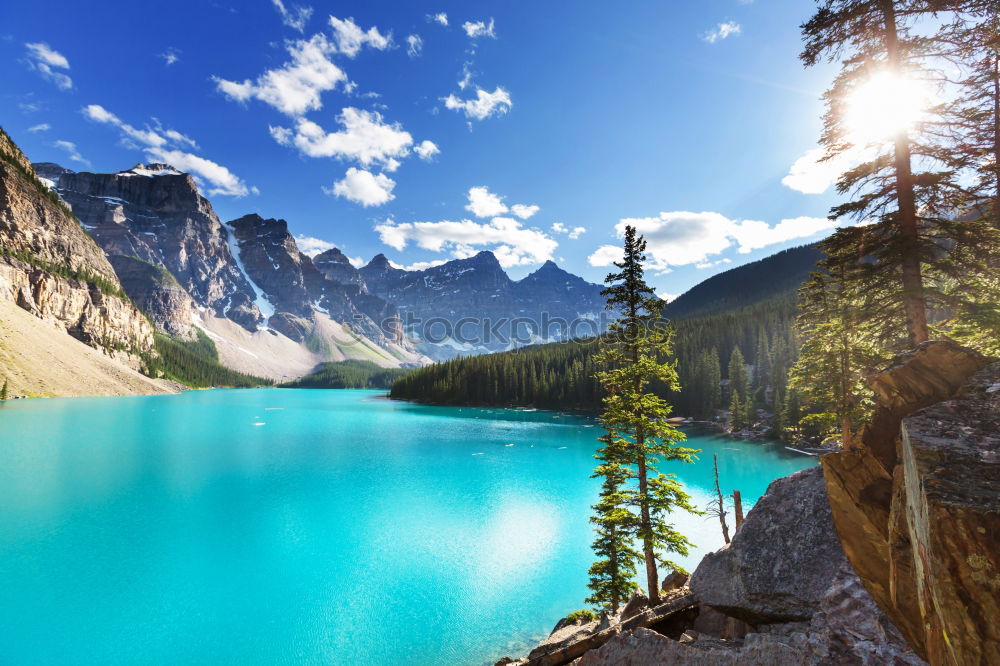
[738, 507]
[996, 139]
[722, 506]
[646, 526]
[913, 287]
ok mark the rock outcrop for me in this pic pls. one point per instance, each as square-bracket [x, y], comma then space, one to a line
[158, 294]
[50, 267]
[917, 502]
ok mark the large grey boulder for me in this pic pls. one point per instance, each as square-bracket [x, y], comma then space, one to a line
[782, 560]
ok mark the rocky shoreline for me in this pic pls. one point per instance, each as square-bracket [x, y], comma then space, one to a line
[782, 593]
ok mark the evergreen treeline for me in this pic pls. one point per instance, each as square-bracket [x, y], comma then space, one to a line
[196, 364]
[349, 375]
[561, 375]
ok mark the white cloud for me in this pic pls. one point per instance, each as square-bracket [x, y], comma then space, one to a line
[74, 154]
[511, 243]
[296, 86]
[414, 45]
[365, 137]
[170, 56]
[722, 31]
[483, 203]
[364, 187]
[41, 127]
[310, 245]
[46, 60]
[440, 17]
[419, 265]
[466, 76]
[426, 149]
[572, 234]
[811, 174]
[681, 238]
[296, 17]
[162, 145]
[484, 105]
[524, 212]
[350, 38]
[479, 29]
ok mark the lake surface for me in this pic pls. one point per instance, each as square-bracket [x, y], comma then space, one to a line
[304, 527]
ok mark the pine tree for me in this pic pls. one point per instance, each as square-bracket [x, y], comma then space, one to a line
[635, 352]
[869, 37]
[713, 381]
[612, 577]
[737, 413]
[972, 42]
[839, 349]
[3, 391]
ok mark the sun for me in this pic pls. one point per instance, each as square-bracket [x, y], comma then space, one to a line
[883, 106]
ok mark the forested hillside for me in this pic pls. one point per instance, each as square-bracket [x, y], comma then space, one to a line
[349, 375]
[196, 364]
[736, 325]
[749, 284]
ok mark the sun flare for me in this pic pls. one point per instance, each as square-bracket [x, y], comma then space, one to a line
[885, 105]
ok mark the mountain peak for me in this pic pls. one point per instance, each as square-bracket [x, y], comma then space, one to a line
[484, 258]
[152, 169]
[551, 270]
[333, 255]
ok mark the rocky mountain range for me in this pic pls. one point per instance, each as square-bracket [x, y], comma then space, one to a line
[273, 310]
[472, 306]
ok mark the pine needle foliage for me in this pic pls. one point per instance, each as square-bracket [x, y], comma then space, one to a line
[632, 515]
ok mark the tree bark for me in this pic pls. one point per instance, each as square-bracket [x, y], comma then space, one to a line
[738, 507]
[913, 287]
[996, 139]
[646, 526]
[718, 493]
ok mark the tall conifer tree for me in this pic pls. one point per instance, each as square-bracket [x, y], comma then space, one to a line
[635, 352]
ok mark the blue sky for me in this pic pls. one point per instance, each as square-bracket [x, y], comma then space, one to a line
[386, 127]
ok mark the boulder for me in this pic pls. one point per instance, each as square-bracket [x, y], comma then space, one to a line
[565, 633]
[782, 561]
[674, 581]
[638, 603]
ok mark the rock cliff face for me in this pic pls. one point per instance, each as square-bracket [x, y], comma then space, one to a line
[472, 306]
[50, 267]
[917, 503]
[158, 294]
[154, 213]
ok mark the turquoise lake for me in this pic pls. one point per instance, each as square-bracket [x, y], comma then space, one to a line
[305, 527]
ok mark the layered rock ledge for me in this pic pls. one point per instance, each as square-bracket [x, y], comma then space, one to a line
[917, 503]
